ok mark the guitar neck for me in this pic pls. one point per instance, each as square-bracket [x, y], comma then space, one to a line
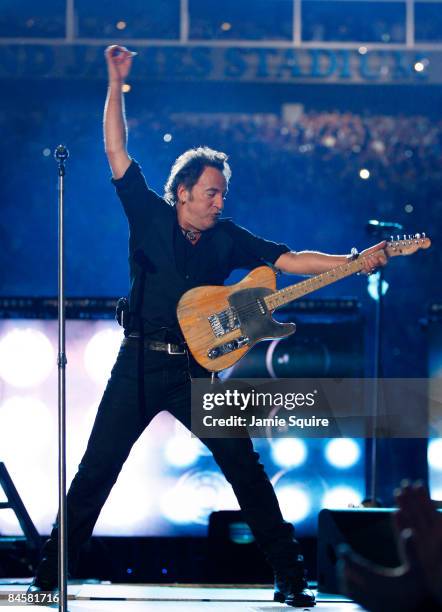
[293, 292]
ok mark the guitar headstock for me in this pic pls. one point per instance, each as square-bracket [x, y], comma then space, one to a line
[407, 245]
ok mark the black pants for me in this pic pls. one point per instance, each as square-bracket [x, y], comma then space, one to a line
[119, 423]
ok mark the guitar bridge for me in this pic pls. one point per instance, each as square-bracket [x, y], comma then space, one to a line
[228, 347]
[224, 322]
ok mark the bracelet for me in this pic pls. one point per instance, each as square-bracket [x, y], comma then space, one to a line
[354, 254]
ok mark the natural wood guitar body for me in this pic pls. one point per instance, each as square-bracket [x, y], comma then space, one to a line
[197, 305]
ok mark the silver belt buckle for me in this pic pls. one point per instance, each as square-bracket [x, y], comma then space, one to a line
[169, 350]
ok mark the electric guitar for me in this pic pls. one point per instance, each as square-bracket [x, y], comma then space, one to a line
[221, 324]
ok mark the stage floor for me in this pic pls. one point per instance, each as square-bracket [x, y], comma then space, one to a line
[183, 598]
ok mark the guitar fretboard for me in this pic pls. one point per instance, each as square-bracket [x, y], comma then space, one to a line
[284, 296]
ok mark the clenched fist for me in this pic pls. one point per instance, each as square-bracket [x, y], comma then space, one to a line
[119, 62]
[374, 257]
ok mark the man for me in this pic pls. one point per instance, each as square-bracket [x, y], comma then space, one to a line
[176, 244]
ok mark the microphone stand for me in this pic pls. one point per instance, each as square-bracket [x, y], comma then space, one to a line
[383, 230]
[61, 154]
[377, 370]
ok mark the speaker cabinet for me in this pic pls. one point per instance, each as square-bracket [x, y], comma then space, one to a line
[368, 531]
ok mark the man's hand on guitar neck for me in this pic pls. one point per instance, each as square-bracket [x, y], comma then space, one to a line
[374, 257]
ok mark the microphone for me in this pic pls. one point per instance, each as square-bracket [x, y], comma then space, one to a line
[375, 227]
[61, 153]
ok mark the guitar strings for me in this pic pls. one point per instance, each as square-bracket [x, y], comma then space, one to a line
[250, 307]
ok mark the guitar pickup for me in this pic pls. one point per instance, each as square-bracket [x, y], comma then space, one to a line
[228, 347]
[224, 322]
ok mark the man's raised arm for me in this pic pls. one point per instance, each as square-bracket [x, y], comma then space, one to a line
[119, 62]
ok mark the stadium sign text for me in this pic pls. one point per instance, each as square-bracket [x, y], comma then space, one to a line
[196, 63]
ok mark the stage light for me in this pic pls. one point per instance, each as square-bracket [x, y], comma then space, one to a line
[26, 357]
[100, 354]
[408, 208]
[121, 25]
[341, 497]
[364, 174]
[129, 504]
[125, 88]
[193, 498]
[177, 508]
[436, 494]
[342, 452]
[295, 504]
[9, 523]
[37, 488]
[373, 284]
[227, 499]
[420, 65]
[26, 429]
[289, 452]
[167, 137]
[434, 454]
[182, 451]
[226, 26]
[362, 50]
[46, 152]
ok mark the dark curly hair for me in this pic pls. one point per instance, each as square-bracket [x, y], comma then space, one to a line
[189, 166]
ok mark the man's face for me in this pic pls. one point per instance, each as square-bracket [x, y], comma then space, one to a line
[204, 203]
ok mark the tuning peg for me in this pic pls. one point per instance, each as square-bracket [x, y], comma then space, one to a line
[423, 235]
[398, 238]
[417, 236]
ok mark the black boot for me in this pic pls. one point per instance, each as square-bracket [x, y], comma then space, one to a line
[46, 576]
[291, 586]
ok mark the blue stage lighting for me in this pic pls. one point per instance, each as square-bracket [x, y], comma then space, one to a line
[372, 286]
[289, 452]
[194, 497]
[341, 497]
[435, 454]
[342, 452]
[182, 450]
[295, 503]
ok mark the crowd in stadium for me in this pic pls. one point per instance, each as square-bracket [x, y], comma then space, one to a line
[309, 154]
[402, 154]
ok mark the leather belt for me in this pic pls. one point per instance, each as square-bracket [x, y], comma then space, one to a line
[153, 345]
